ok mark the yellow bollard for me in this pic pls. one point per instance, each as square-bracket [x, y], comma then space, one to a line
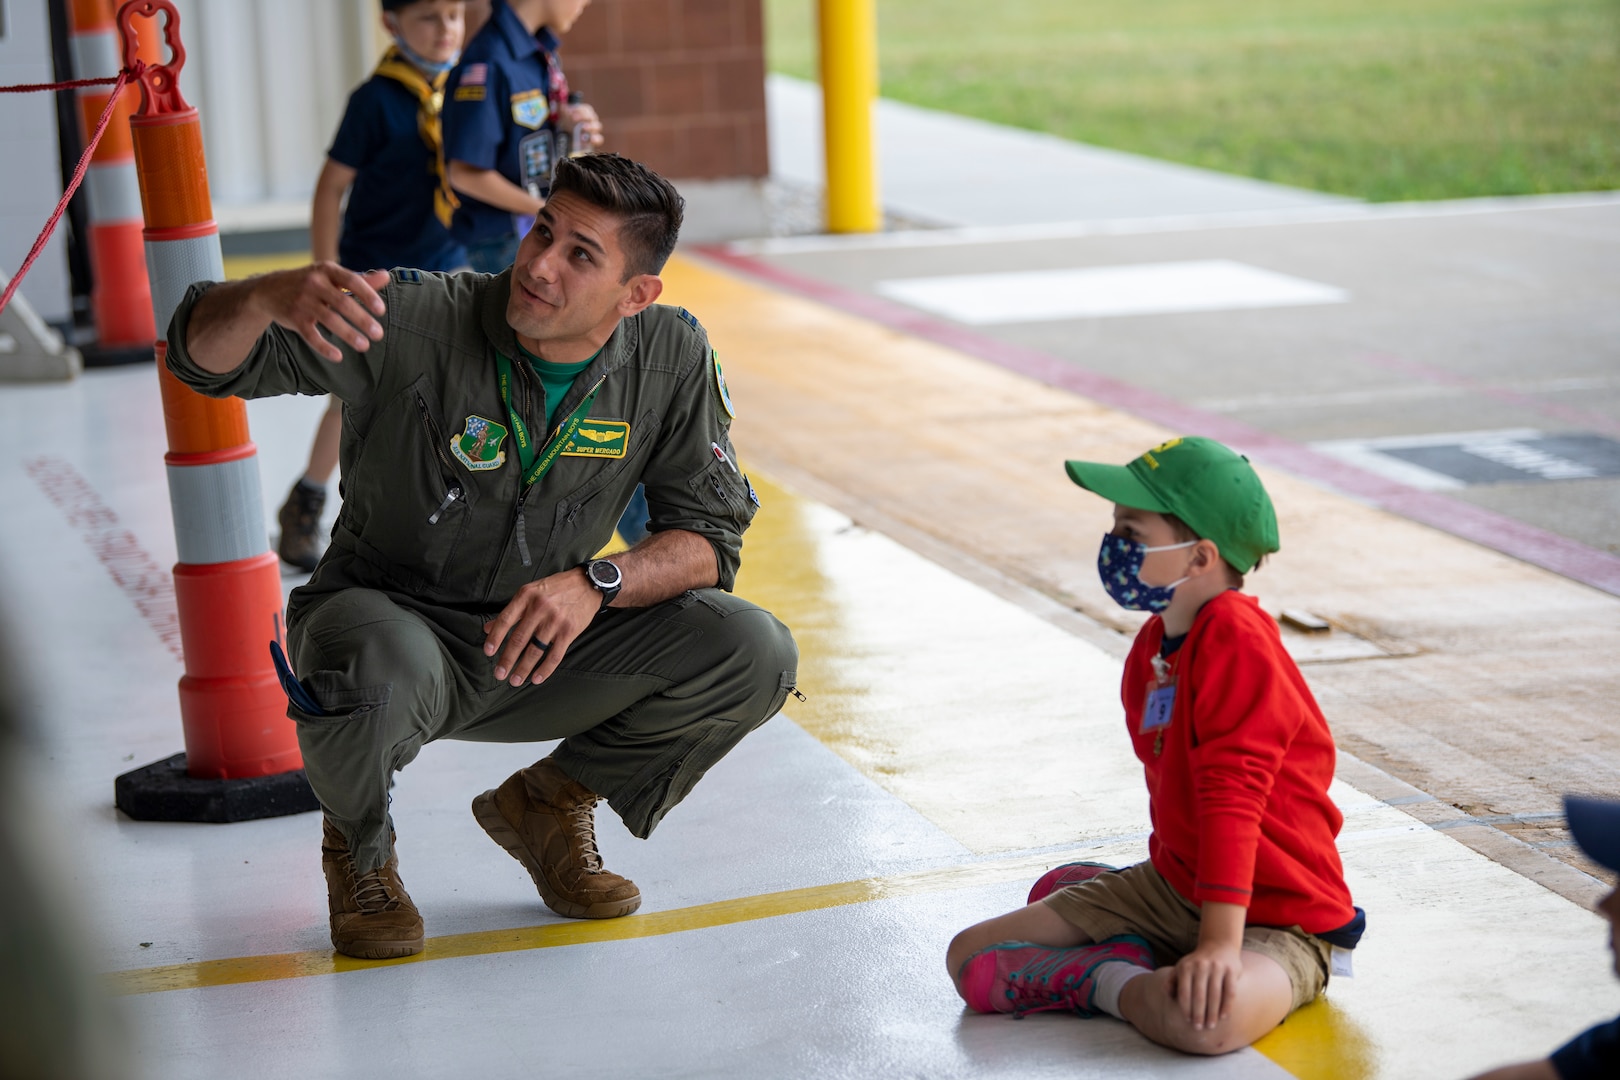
[849, 79]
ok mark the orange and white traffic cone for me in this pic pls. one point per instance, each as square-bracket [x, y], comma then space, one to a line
[241, 759]
[120, 298]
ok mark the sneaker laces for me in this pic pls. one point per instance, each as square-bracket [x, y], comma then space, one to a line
[1032, 984]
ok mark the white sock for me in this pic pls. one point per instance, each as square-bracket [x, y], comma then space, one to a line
[1109, 979]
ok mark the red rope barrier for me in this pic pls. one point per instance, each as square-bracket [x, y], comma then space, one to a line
[29, 88]
[119, 83]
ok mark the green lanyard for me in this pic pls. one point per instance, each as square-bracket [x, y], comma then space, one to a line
[561, 436]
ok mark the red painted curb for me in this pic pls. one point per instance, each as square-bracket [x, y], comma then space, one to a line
[1487, 528]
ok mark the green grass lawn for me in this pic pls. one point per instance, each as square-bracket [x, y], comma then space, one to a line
[1382, 99]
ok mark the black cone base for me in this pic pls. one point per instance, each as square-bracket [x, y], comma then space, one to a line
[162, 791]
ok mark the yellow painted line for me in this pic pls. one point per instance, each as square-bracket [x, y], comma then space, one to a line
[253, 969]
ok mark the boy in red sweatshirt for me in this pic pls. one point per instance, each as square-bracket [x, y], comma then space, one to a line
[1238, 915]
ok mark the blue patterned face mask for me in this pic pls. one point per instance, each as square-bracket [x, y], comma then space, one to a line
[1118, 563]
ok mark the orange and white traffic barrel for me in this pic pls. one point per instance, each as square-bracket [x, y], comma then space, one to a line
[120, 299]
[241, 758]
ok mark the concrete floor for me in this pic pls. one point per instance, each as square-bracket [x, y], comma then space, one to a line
[960, 735]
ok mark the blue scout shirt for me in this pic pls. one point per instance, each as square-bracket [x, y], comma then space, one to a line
[501, 108]
[389, 221]
[1594, 1054]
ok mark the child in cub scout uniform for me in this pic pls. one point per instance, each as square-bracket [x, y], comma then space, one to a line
[494, 428]
[1241, 911]
[387, 157]
[507, 122]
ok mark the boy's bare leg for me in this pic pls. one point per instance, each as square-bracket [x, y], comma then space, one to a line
[1037, 924]
[1258, 1002]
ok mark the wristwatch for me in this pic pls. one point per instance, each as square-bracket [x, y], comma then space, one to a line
[607, 578]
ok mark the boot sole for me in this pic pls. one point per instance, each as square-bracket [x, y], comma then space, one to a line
[383, 950]
[489, 817]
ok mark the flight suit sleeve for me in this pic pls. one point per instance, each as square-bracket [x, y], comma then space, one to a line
[693, 479]
[280, 362]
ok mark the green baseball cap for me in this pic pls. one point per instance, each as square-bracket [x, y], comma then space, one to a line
[1211, 487]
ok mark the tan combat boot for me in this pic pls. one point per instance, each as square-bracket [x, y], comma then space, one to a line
[547, 822]
[372, 917]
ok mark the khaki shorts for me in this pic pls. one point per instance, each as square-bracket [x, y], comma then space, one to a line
[1137, 900]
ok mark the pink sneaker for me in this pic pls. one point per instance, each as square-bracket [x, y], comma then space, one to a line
[1021, 978]
[1067, 874]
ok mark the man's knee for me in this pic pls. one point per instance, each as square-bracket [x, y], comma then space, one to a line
[751, 646]
[360, 649]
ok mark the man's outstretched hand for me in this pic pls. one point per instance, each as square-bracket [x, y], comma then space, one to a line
[324, 294]
[554, 611]
[229, 318]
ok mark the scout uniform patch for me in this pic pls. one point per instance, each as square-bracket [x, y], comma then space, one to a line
[599, 439]
[479, 446]
[720, 385]
[530, 109]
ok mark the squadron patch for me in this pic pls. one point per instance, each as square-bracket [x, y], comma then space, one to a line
[720, 386]
[599, 439]
[530, 108]
[479, 445]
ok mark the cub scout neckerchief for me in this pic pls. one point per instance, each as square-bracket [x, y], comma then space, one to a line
[430, 99]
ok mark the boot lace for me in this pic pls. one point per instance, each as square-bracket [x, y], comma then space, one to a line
[580, 821]
[374, 893]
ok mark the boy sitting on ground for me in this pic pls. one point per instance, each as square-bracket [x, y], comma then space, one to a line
[1234, 920]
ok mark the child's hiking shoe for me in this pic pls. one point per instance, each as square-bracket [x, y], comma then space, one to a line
[1017, 977]
[300, 520]
[1068, 874]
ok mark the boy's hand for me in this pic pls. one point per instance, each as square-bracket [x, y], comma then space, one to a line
[1205, 983]
[581, 113]
[324, 294]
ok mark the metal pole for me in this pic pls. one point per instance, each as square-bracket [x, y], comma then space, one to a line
[849, 81]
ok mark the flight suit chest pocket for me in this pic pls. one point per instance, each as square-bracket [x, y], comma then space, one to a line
[412, 502]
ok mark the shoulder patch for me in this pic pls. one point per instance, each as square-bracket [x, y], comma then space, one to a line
[688, 318]
[406, 276]
[720, 385]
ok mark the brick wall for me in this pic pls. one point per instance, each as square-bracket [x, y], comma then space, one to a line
[680, 84]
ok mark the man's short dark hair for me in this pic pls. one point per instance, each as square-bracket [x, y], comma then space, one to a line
[648, 206]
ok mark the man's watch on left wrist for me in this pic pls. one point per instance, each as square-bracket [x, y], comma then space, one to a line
[604, 576]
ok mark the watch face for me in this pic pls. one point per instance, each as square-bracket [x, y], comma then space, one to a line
[605, 574]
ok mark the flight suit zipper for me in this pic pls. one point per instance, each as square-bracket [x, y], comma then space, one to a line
[434, 441]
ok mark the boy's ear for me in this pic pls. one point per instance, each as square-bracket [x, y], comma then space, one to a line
[1206, 557]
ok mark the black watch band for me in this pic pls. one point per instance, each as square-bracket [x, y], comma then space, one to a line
[605, 576]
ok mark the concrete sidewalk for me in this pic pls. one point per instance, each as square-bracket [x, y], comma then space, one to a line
[935, 169]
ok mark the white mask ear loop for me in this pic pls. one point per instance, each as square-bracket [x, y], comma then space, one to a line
[1169, 547]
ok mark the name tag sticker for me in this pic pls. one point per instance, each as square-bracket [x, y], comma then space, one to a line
[599, 439]
[1156, 713]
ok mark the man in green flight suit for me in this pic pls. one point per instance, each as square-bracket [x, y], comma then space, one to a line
[494, 429]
